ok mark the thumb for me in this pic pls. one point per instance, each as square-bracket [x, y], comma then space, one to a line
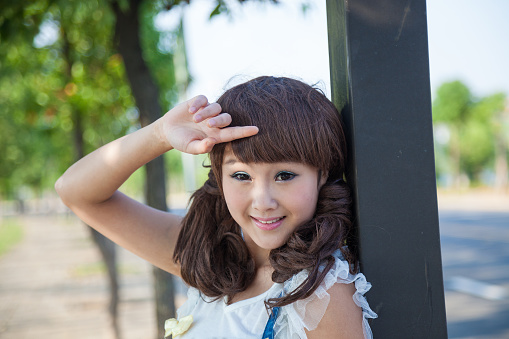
[202, 146]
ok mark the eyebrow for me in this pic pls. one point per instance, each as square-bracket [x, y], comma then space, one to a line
[230, 161]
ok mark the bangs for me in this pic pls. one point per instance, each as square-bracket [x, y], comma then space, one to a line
[282, 137]
[296, 123]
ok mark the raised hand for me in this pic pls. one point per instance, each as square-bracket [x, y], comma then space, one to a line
[195, 126]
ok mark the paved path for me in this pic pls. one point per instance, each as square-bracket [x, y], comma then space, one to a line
[50, 286]
[475, 256]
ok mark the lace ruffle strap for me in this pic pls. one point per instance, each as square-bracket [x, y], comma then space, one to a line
[307, 313]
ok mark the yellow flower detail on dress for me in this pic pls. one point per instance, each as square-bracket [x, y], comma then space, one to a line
[177, 327]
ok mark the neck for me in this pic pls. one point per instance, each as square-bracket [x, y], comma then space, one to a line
[260, 255]
[261, 260]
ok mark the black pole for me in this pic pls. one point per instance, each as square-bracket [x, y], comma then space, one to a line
[379, 66]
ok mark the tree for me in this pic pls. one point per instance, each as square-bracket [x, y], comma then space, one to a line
[63, 102]
[86, 80]
[476, 131]
[495, 111]
[451, 107]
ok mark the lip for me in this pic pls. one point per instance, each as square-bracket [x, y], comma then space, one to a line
[268, 224]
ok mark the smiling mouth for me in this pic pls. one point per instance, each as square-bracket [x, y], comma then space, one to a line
[268, 224]
[269, 221]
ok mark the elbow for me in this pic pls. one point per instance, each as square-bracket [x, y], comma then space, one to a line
[58, 186]
[61, 190]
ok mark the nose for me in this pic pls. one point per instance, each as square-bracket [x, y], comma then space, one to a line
[263, 197]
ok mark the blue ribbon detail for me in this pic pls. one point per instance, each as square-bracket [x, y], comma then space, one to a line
[268, 333]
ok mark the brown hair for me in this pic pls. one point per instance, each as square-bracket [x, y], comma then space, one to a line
[296, 123]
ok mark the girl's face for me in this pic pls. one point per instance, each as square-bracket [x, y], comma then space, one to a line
[269, 200]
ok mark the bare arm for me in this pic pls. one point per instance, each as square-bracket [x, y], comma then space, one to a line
[343, 318]
[90, 186]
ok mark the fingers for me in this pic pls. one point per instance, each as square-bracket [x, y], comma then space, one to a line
[197, 102]
[207, 112]
[220, 121]
[202, 146]
[225, 135]
[202, 110]
[233, 133]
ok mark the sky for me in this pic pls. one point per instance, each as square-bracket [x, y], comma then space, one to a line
[467, 41]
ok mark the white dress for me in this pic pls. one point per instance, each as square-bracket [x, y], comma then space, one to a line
[248, 318]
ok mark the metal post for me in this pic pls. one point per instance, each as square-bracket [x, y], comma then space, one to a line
[379, 66]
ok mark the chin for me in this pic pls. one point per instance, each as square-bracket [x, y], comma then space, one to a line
[270, 245]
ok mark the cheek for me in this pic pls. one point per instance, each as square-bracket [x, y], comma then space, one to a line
[304, 200]
[233, 199]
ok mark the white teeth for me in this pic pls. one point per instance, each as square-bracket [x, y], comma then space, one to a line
[271, 221]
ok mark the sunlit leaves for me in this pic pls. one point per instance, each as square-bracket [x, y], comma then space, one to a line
[44, 87]
[160, 60]
[473, 128]
[453, 102]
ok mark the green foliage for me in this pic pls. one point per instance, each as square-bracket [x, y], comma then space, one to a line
[63, 86]
[224, 6]
[74, 86]
[477, 147]
[159, 55]
[453, 103]
[11, 233]
[474, 126]
[202, 172]
[21, 18]
[29, 130]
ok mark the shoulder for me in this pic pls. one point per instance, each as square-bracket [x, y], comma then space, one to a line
[342, 318]
[336, 309]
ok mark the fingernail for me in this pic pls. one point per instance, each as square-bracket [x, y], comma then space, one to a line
[212, 123]
[192, 109]
[197, 117]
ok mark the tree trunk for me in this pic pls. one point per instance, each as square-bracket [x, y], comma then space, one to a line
[454, 149]
[109, 255]
[146, 95]
[106, 247]
[501, 170]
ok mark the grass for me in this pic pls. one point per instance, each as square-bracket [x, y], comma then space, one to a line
[11, 233]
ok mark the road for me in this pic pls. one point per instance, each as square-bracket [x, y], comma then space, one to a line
[475, 256]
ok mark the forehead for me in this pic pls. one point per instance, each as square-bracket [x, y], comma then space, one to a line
[228, 155]
[230, 159]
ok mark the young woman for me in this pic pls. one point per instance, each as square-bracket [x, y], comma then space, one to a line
[267, 246]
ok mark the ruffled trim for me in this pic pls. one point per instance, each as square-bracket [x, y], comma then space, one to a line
[307, 313]
[193, 296]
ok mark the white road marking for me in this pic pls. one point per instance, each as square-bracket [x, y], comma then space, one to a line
[477, 288]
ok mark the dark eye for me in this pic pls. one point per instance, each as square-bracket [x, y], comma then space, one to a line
[285, 176]
[241, 176]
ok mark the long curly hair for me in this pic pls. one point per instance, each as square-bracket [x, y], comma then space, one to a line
[297, 123]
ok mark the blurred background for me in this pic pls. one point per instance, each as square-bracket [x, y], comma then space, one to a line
[74, 75]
